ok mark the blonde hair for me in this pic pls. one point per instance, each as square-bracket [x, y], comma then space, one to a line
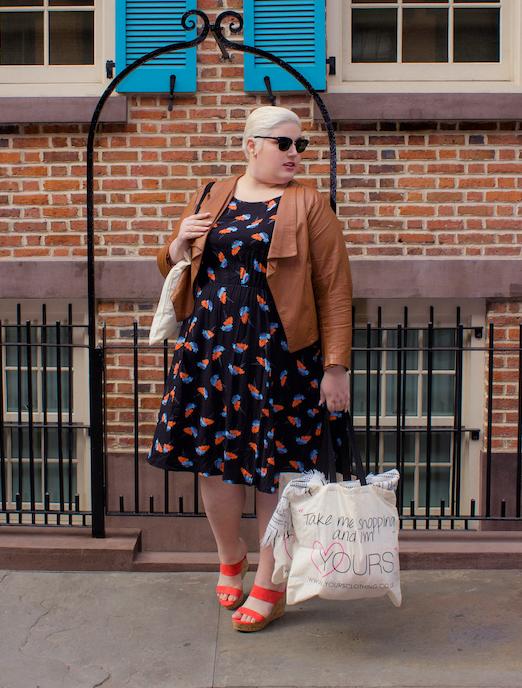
[263, 120]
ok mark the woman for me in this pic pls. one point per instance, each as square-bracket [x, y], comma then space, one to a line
[263, 349]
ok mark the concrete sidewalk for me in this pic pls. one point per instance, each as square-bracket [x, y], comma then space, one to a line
[166, 630]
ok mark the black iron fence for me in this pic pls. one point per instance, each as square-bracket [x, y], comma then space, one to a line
[441, 404]
[427, 400]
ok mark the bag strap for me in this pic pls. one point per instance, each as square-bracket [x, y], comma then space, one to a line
[205, 192]
[326, 459]
[359, 468]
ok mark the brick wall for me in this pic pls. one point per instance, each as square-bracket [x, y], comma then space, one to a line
[431, 192]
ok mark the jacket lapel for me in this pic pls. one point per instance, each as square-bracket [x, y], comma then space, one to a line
[284, 236]
[215, 203]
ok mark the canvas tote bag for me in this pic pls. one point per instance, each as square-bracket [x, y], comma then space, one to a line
[337, 540]
[165, 323]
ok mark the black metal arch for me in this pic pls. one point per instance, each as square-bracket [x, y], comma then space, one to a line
[95, 353]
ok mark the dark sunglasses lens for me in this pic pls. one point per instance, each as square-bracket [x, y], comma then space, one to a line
[284, 143]
[300, 145]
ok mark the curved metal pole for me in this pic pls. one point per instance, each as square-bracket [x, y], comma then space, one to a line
[96, 353]
[218, 35]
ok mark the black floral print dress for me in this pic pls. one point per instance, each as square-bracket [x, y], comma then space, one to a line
[237, 403]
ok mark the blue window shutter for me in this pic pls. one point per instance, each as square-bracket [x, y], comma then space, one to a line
[293, 30]
[144, 25]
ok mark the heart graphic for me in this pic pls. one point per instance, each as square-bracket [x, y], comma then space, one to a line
[289, 545]
[326, 561]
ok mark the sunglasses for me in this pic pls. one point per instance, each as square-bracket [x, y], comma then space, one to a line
[284, 142]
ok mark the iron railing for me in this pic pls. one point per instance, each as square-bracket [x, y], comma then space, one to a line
[410, 389]
[411, 411]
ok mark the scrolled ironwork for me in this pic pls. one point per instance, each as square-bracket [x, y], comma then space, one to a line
[217, 28]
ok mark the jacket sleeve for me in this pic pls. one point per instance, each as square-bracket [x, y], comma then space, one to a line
[163, 264]
[332, 284]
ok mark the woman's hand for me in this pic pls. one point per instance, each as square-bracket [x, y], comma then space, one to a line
[335, 389]
[191, 228]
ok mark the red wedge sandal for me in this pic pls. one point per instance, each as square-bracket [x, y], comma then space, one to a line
[232, 570]
[278, 599]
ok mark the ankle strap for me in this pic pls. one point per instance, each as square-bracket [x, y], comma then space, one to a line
[266, 595]
[231, 569]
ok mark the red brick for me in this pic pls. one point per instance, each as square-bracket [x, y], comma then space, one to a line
[504, 196]
[416, 210]
[417, 182]
[412, 238]
[476, 210]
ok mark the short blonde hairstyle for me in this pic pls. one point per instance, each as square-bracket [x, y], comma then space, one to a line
[263, 120]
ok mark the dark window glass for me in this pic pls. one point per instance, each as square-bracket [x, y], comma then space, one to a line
[21, 3]
[21, 38]
[425, 35]
[71, 38]
[374, 35]
[71, 3]
[477, 35]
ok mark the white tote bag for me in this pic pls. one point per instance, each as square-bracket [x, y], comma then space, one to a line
[165, 323]
[337, 540]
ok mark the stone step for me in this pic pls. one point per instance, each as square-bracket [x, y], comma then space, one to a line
[25, 548]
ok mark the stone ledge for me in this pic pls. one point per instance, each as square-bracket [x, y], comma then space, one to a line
[139, 278]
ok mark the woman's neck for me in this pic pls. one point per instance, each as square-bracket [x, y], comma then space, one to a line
[253, 190]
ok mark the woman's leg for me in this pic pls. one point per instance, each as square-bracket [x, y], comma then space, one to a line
[265, 505]
[224, 504]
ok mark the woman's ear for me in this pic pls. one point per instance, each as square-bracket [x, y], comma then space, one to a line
[251, 146]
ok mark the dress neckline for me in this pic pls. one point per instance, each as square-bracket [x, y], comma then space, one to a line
[269, 200]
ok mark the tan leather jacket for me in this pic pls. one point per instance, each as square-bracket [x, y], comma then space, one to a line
[308, 272]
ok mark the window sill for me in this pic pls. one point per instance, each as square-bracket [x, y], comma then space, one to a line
[422, 106]
[60, 109]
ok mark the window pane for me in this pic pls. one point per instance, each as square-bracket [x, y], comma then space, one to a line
[71, 38]
[16, 334]
[359, 394]
[26, 484]
[374, 35]
[410, 338]
[425, 35]
[410, 400]
[477, 35]
[359, 357]
[53, 475]
[21, 3]
[52, 392]
[21, 38]
[442, 395]
[441, 360]
[51, 352]
[390, 448]
[439, 486]
[71, 3]
[12, 391]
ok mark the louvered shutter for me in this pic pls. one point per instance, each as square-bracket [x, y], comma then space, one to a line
[293, 30]
[144, 25]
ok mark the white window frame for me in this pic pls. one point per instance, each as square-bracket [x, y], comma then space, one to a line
[423, 77]
[473, 314]
[67, 80]
[57, 310]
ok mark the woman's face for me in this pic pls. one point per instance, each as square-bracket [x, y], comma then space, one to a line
[271, 165]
